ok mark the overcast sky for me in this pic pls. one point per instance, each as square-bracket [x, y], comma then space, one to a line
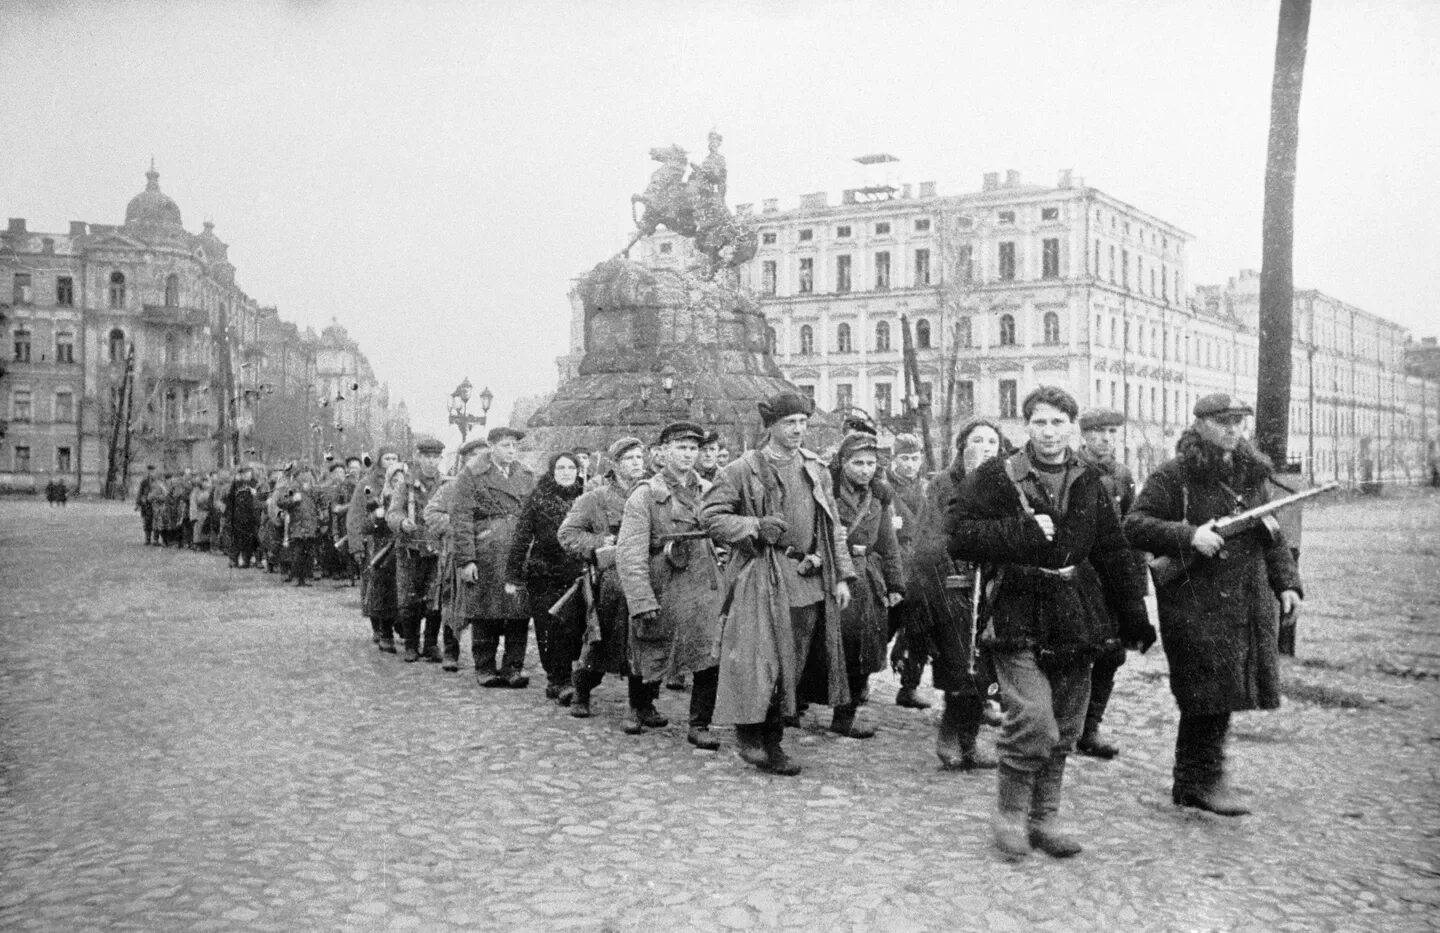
[434, 174]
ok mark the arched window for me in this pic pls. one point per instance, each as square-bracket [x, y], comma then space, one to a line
[1007, 330]
[1052, 327]
[842, 339]
[922, 334]
[117, 346]
[807, 340]
[172, 291]
[117, 289]
[882, 336]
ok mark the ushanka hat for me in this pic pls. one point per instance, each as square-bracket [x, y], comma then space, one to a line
[783, 405]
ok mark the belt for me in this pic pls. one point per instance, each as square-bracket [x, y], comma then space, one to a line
[858, 550]
[1062, 573]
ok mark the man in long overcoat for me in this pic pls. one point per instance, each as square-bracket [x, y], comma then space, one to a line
[787, 582]
[445, 595]
[1219, 616]
[672, 587]
[488, 498]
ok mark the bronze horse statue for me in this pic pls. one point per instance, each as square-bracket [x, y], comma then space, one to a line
[693, 208]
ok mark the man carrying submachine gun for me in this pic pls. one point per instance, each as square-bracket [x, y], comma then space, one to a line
[1223, 574]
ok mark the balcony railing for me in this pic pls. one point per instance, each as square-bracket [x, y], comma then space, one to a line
[178, 317]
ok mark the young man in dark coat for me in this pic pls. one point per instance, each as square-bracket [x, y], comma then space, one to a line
[243, 512]
[787, 583]
[1220, 615]
[483, 517]
[1100, 437]
[416, 560]
[300, 503]
[912, 647]
[1059, 573]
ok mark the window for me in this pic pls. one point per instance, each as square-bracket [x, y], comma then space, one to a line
[842, 339]
[842, 273]
[64, 291]
[1112, 265]
[807, 235]
[807, 276]
[64, 347]
[22, 346]
[22, 459]
[1008, 406]
[882, 336]
[882, 270]
[922, 334]
[1050, 258]
[1007, 261]
[1006, 217]
[1164, 285]
[117, 345]
[64, 407]
[1049, 213]
[172, 285]
[807, 340]
[965, 263]
[767, 277]
[882, 229]
[117, 289]
[842, 232]
[922, 225]
[1125, 268]
[22, 292]
[922, 267]
[1114, 332]
[964, 398]
[171, 350]
[1096, 270]
[1139, 273]
[667, 248]
[767, 238]
[808, 391]
[1052, 327]
[62, 459]
[1007, 330]
[844, 395]
[1152, 281]
[21, 407]
[882, 399]
[963, 336]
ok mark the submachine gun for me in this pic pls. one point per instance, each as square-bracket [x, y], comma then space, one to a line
[1166, 569]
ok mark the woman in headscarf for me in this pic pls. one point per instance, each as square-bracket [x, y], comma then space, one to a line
[943, 590]
[546, 570]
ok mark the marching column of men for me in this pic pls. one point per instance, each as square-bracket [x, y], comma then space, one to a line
[776, 580]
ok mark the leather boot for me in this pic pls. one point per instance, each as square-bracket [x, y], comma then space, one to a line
[1092, 745]
[1216, 798]
[908, 698]
[1009, 827]
[750, 745]
[583, 682]
[1045, 832]
[633, 724]
[955, 741]
[773, 732]
[842, 722]
[650, 717]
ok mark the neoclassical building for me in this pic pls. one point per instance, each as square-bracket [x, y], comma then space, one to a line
[209, 369]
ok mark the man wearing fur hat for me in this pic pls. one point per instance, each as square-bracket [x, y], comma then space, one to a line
[672, 587]
[416, 560]
[1099, 441]
[1220, 616]
[488, 497]
[786, 583]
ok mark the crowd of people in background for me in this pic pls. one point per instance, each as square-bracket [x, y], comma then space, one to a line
[784, 579]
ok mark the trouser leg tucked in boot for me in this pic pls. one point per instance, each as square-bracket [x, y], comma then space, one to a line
[1200, 765]
[959, 728]
[637, 696]
[1045, 832]
[702, 709]
[584, 681]
[517, 636]
[451, 652]
[410, 631]
[750, 744]
[387, 633]
[1009, 826]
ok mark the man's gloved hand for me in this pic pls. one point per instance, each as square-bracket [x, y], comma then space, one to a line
[645, 625]
[1136, 632]
[771, 528]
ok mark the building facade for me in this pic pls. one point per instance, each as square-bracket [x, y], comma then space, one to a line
[132, 344]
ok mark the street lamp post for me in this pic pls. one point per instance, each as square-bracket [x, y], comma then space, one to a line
[459, 408]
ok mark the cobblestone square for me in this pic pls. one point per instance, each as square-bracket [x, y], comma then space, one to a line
[185, 746]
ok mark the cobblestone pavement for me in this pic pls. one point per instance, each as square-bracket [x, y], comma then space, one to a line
[190, 747]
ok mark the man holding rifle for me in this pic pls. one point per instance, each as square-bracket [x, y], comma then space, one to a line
[1220, 595]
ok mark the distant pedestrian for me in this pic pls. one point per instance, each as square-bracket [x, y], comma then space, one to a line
[243, 512]
[299, 503]
[416, 560]
[145, 505]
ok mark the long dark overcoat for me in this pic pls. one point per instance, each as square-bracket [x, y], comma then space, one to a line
[595, 515]
[536, 556]
[1219, 619]
[757, 641]
[869, 520]
[684, 588]
[483, 517]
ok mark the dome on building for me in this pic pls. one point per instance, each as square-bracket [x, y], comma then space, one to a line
[152, 208]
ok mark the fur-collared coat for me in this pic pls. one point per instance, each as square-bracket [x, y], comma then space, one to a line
[681, 585]
[1219, 619]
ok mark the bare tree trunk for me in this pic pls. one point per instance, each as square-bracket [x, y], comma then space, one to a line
[1277, 283]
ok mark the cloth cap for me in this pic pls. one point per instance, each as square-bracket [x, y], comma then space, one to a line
[1221, 403]
[429, 445]
[783, 405]
[499, 434]
[1100, 418]
[855, 442]
[478, 443]
[681, 431]
[623, 446]
[906, 444]
[711, 439]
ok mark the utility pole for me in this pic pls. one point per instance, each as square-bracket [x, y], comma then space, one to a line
[120, 415]
[1277, 274]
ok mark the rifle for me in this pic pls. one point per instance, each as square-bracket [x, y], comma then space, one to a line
[1165, 569]
[285, 523]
